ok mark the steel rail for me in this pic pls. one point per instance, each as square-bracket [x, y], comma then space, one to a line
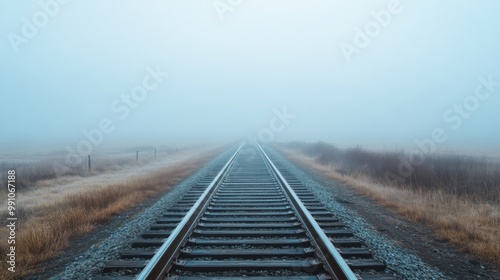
[333, 261]
[161, 262]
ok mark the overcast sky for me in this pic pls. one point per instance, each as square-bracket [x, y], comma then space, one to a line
[347, 72]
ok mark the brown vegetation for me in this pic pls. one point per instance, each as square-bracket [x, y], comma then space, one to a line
[464, 176]
[48, 229]
[458, 196]
[41, 168]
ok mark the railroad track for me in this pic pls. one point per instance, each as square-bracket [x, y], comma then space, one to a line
[249, 219]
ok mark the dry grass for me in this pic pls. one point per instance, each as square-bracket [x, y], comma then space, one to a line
[35, 168]
[457, 174]
[45, 191]
[52, 226]
[471, 225]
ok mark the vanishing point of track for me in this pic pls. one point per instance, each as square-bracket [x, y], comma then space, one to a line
[249, 219]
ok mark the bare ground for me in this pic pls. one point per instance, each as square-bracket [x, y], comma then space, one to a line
[58, 192]
[413, 236]
[47, 191]
[81, 244]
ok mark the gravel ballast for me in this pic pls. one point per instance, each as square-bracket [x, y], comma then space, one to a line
[402, 263]
[91, 262]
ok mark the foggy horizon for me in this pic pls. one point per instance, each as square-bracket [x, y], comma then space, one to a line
[380, 74]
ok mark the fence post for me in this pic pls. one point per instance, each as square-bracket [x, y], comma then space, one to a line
[89, 162]
[137, 156]
[155, 153]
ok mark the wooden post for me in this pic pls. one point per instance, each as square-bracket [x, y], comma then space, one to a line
[137, 156]
[155, 152]
[89, 162]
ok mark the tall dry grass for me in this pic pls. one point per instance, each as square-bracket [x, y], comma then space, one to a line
[461, 175]
[469, 219]
[40, 168]
[48, 229]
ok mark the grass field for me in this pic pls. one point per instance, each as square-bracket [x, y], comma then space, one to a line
[459, 196]
[54, 209]
[33, 167]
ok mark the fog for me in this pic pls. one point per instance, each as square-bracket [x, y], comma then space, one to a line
[372, 73]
